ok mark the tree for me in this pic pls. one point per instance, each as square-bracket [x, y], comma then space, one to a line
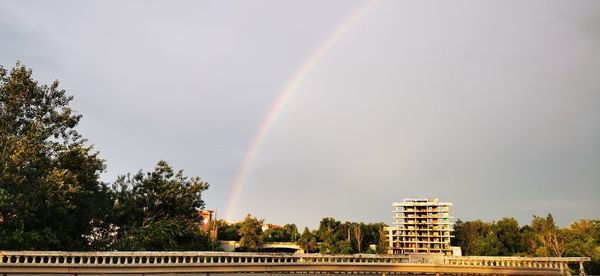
[159, 210]
[583, 240]
[251, 233]
[358, 236]
[330, 233]
[383, 245]
[287, 233]
[477, 238]
[49, 176]
[343, 242]
[291, 231]
[373, 234]
[509, 235]
[169, 234]
[228, 231]
[308, 241]
[548, 240]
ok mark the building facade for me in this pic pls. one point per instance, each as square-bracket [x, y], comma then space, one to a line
[421, 225]
[208, 223]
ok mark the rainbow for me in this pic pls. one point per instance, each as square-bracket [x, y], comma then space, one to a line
[283, 98]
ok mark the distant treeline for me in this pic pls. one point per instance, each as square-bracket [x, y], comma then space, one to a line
[51, 198]
[332, 236]
[542, 238]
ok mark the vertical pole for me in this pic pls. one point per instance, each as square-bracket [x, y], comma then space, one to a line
[383, 274]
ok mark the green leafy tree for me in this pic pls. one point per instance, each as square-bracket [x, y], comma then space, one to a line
[344, 242]
[251, 233]
[170, 234]
[373, 234]
[583, 240]
[291, 232]
[228, 231]
[527, 234]
[287, 233]
[50, 193]
[329, 234]
[477, 238]
[509, 235]
[358, 236]
[344, 247]
[383, 244]
[158, 210]
[350, 237]
[308, 241]
[275, 235]
[549, 240]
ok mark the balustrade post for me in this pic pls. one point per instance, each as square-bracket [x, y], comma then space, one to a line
[581, 269]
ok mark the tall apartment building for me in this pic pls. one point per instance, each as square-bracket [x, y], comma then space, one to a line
[421, 225]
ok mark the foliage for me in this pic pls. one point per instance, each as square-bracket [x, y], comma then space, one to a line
[287, 233]
[508, 234]
[349, 237]
[328, 234]
[358, 236]
[542, 238]
[373, 234]
[584, 241]
[308, 241]
[548, 241]
[477, 238]
[159, 210]
[49, 176]
[291, 231]
[228, 231]
[251, 234]
[382, 245]
[171, 234]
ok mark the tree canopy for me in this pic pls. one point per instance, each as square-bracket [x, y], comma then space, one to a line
[49, 176]
[542, 238]
[251, 238]
[158, 210]
[50, 179]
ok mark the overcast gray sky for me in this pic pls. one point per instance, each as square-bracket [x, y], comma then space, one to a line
[492, 105]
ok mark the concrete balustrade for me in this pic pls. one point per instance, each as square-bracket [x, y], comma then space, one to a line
[8, 258]
[546, 262]
[226, 262]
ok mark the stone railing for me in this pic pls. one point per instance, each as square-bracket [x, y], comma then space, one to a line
[524, 262]
[75, 263]
[59, 258]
